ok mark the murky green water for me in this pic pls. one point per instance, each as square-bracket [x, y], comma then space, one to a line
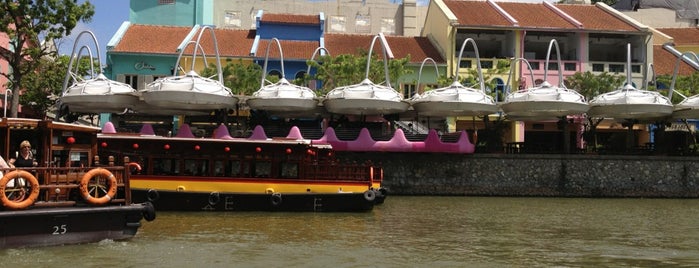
[407, 232]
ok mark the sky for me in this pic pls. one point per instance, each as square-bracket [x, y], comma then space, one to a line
[110, 14]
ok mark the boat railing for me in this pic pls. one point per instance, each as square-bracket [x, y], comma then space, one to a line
[338, 171]
[60, 186]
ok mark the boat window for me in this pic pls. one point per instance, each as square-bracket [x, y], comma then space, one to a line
[196, 167]
[219, 168]
[263, 169]
[290, 170]
[239, 168]
[166, 166]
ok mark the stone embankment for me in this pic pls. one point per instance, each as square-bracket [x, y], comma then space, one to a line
[536, 175]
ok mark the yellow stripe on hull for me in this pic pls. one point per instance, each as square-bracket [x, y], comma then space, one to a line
[248, 187]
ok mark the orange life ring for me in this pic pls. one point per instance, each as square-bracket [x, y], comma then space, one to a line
[33, 195]
[110, 193]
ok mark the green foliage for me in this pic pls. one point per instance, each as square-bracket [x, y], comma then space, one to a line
[346, 69]
[30, 23]
[242, 78]
[591, 85]
[687, 85]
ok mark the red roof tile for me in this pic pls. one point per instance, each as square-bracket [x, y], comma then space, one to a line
[158, 39]
[595, 18]
[418, 48]
[664, 62]
[683, 36]
[531, 15]
[477, 13]
[290, 18]
[292, 49]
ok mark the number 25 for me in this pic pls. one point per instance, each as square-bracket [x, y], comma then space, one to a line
[59, 230]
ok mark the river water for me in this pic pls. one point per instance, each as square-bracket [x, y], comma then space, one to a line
[406, 232]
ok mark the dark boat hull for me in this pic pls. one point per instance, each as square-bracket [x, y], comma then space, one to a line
[53, 226]
[309, 202]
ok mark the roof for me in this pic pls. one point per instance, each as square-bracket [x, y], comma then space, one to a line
[292, 49]
[418, 48]
[542, 15]
[683, 36]
[158, 39]
[664, 62]
[290, 18]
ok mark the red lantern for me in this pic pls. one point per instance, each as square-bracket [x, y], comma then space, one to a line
[309, 152]
[104, 144]
[227, 149]
[288, 150]
[166, 146]
[70, 140]
[196, 147]
[135, 145]
[258, 149]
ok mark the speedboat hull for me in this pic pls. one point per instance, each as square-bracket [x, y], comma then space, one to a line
[114, 103]
[365, 106]
[631, 111]
[188, 100]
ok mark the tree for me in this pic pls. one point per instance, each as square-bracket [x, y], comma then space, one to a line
[242, 78]
[28, 25]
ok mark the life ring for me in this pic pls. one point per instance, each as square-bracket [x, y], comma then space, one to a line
[149, 211]
[152, 195]
[26, 202]
[214, 197]
[134, 165]
[108, 195]
[369, 195]
[276, 199]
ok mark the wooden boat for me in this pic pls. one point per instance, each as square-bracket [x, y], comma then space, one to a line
[71, 197]
[456, 99]
[243, 174]
[545, 101]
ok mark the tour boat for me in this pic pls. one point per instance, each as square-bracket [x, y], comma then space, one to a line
[456, 99]
[222, 173]
[544, 101]
[282, 97]
[367, 98]
[630, 103]
[97, 94]
[71, 196]
[190, 92]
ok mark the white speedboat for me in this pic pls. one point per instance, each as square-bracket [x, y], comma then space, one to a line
[630, 103]
[367, 98]
[191, 91]
[97, 94]
[283, 96]
[544, 101]
[456, 99]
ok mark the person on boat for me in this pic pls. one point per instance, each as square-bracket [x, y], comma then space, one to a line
[24, 157]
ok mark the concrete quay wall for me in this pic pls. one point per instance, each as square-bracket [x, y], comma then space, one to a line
[536, 175]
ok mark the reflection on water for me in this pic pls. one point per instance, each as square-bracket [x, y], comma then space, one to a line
[408, 231]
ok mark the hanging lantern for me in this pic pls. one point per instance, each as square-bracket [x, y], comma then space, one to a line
[135, 145]
[166, 146]
[104, 144]
[288, 150]
[227, 149]
[196, 147]
[258, 149]
[70, 140]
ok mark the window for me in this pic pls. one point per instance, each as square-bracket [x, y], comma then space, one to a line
[409, 90]
[616, 68]
[232, 19]
[598, 67]
[166, 166]
[363, 24]
[388, 26]
[132, 80]
[337, 24]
